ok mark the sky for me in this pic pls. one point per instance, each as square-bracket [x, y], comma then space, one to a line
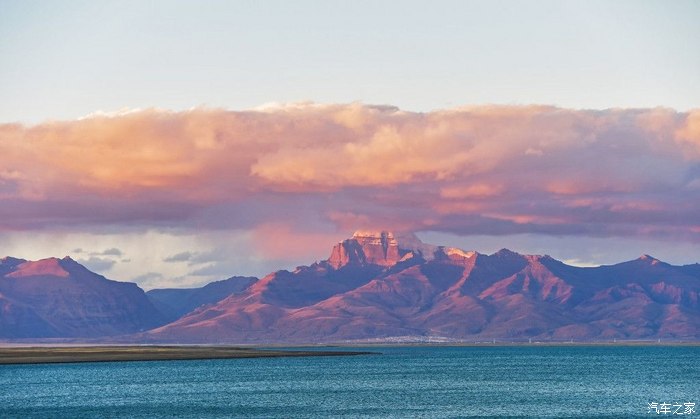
[173, 143]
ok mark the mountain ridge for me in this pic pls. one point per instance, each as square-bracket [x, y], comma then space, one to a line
[396, 291]
[175, 302]
[380, 285]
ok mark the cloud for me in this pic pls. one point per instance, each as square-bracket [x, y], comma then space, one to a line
[213, 269]
[197, 258]
[179, 257]
[97, 264]
[109, 252]
[148, 276]
[284, 242]
[100, 261]
[150, 280]
[324, 169]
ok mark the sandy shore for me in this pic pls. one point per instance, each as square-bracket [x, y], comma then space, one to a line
[41, 355]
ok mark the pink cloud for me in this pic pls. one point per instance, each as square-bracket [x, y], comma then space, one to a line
[278, 240]
[486, 169]
[688, 133]
[475, 190]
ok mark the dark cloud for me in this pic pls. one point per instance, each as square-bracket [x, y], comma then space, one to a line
[108, 252]
[180, 257]
[112, 252]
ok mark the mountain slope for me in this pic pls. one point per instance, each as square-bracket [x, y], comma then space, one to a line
[61, 298]
[375, 285]
[372, 286]
[176, 302]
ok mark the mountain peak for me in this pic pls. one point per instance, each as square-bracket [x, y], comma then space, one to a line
[43, 267]
[369, 234]
[376, 240]
[506, 253]
[366, 247]
[55, 297]
[9, 260]
[455, 251]
[8, 264]
[649, 259]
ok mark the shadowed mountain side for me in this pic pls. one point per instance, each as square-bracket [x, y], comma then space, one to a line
[374, 286]
[61, 298]
[253, 312]
[176, 302]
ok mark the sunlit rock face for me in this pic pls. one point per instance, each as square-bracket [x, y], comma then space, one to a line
[366, 248]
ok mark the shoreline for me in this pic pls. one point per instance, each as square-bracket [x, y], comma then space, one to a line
[509, 344]
[77, 354]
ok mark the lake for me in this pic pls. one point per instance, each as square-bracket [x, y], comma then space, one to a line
[529, 380]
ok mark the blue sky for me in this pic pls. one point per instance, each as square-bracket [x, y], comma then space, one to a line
[66, 59]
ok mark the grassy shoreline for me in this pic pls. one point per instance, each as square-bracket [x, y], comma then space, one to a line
[70, 354]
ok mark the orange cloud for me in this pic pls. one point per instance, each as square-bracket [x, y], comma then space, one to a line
[539, 168]
[277, 240]
[689, 133]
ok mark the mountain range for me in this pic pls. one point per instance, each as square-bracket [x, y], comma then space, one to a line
[373, 286]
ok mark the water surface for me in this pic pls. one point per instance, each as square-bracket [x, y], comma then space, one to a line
[402, 382]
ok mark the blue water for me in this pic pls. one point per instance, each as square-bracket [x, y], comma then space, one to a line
[402, 382]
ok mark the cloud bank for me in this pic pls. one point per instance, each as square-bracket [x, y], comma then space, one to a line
[478, 170]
